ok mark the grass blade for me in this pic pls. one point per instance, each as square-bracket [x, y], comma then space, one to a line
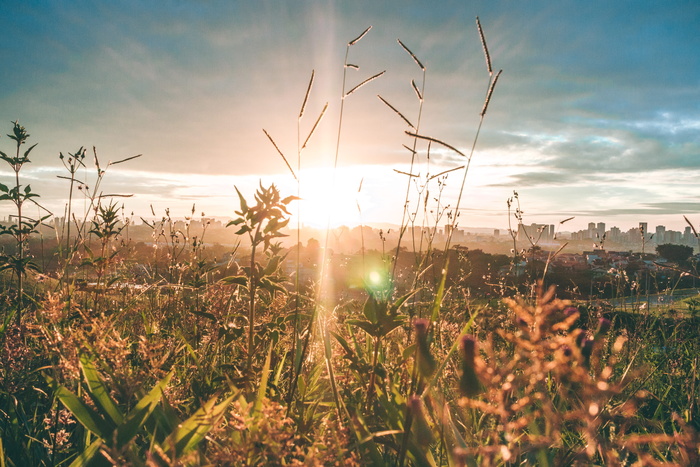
[98, 392]
[84, 414]
[262, 389]
[371, 78]
[280, 153]
[88, 456]
[358, 38]
[137, 417]
[313, 129]
[125, 160]
[397, 112]
[445, 172]
[193, 430]
[489, 93]
[483, 45]
[306, 96]
[413, 56]
[435, 140]
[417, 91]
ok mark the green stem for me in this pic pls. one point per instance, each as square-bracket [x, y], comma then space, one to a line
[373, 375]
[251, 305]
[20, 244]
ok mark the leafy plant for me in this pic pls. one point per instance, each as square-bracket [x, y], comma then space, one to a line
[19, 262]
[106, 227]
[261, 223]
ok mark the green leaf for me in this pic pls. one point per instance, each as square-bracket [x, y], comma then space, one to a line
[98, 392]
[388, 325]
[244, 204]
[137, 417]
[401, 300]
[408, 352]
[26, 153]
[243, 229]
[240, 280]
[235, 222]
[91, 456]
[84, 414]
[192, 431]
[343, 343]
[371, 309]
[267, 284]
[369, 328]
[272, 265]
[440, 293]
[262, 389]
[271, 225]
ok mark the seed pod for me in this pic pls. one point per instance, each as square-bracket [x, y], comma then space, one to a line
[469, 382]
[604, 325]
[420, 427]
[425, 360]
[587, 350]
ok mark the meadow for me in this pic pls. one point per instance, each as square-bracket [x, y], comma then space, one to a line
[177, 355]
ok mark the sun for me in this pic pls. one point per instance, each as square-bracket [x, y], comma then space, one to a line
[329, 197]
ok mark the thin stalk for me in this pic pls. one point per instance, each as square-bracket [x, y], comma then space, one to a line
[292, 379]
[403, 225]
[493, 79]
[20, 246]
[251, 305]
[372, 378]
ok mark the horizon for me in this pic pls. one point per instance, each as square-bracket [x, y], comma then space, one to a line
[593, 117]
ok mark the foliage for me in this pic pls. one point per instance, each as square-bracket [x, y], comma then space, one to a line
[675, 253]
[19, 262]
[262, 223]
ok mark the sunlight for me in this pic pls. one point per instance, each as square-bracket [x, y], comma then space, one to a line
[326, 197]
[375, 278]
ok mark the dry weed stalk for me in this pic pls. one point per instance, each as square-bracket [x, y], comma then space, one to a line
[552, 379]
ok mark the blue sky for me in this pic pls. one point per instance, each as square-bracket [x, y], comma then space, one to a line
[596, 114]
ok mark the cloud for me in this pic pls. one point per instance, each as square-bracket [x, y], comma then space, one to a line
[594, 97]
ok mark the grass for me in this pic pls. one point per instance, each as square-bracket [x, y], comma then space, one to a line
[169, 356]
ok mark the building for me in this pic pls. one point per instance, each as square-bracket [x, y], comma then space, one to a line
[660, 234]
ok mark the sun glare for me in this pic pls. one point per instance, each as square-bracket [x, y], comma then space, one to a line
[328, 197]
[375, 278]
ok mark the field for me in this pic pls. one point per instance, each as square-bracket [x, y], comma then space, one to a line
[178, 352]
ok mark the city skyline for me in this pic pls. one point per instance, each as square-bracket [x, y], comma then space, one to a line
[594, 116]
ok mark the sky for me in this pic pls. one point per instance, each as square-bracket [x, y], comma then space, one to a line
[595, 116]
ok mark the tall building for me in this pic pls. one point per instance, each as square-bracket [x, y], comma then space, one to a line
[600, 228]
[660, 234]
[688, 236]
[615, 234]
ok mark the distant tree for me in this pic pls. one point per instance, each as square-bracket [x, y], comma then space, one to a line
[313, 245]
[675, 253]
